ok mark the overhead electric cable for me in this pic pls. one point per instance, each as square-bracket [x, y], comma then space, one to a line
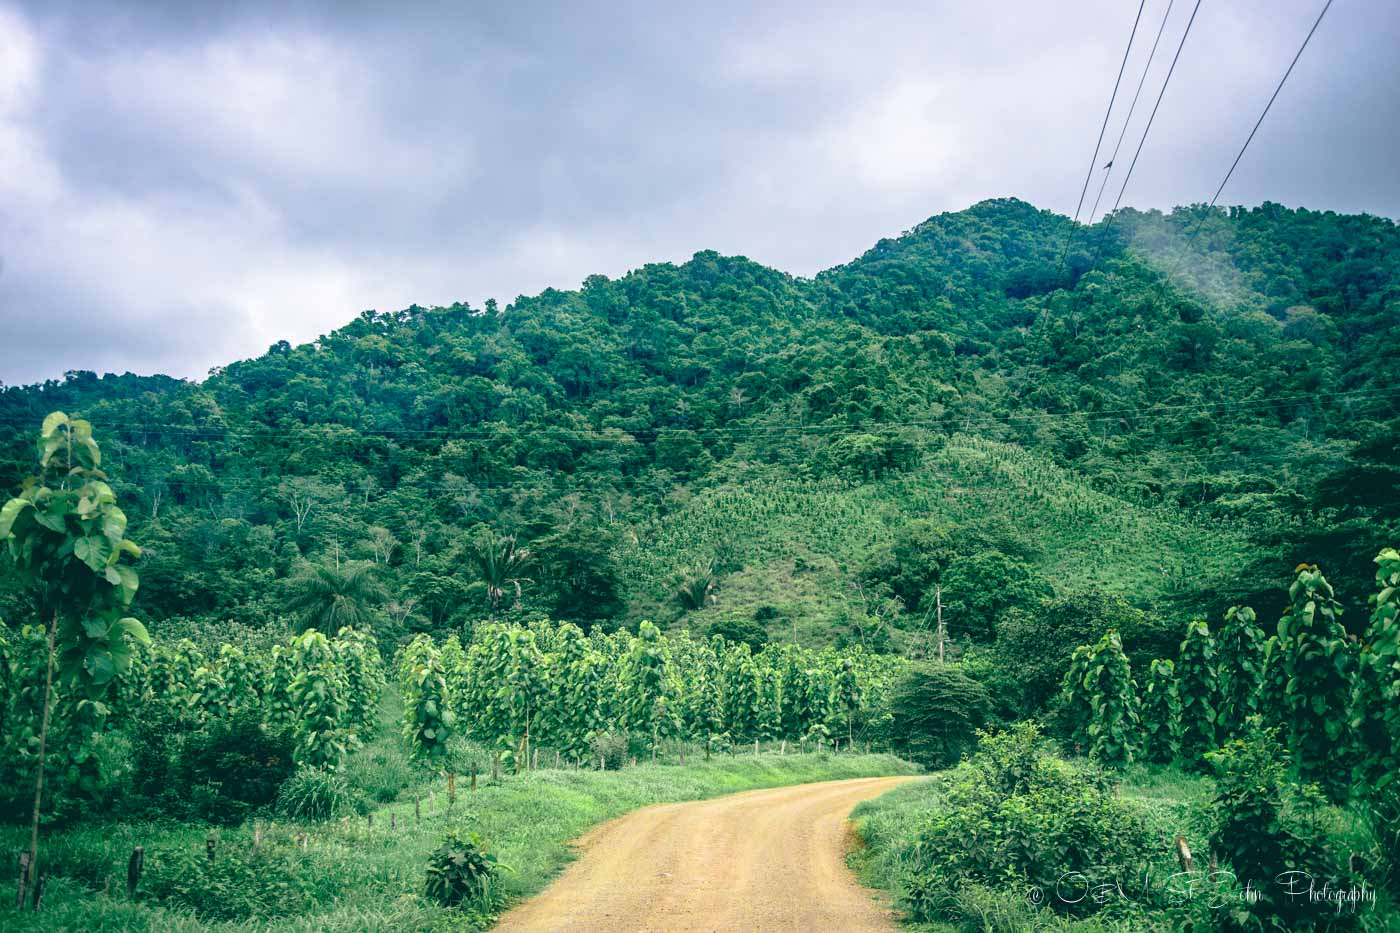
[1151, 56]
[1325, 7]
[1147, 129]
[1094, 159]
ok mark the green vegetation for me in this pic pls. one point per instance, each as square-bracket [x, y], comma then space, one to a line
[519, 690]
[1064, 846]
[710, 506]
[1146, 427]
[366, 867]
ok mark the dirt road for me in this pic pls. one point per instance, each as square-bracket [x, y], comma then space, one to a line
[761, 860]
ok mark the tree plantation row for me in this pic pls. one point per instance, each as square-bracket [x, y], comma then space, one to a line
[1334, 700]
[324, 692]
[511, 689]
[518, 687]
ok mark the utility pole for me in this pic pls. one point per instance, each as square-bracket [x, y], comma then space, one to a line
[938, 607]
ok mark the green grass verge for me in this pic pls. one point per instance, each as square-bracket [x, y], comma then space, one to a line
[354, 875]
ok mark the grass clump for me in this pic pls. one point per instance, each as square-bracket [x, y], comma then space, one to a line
[313, 794]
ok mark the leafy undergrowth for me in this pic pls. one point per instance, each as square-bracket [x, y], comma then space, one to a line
[897, 831]
[358, 873]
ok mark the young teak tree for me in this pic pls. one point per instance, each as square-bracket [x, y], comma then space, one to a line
[68, 540]
[1198, 683]
[1241, 645]
[428, 718]
[1161, 712]
[1376, 694]
[1113, 730]
[1319, 667]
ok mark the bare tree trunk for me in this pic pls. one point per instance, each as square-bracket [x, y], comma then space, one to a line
[43, 754]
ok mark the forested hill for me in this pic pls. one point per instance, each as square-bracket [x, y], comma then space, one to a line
[1178, 411]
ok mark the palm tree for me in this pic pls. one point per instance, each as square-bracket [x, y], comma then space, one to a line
[697, 588]
[328, 598]
[500, 565]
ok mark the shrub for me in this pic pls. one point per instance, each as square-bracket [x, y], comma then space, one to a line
[239, 763]
[611, 748]
[935, 714]
[750, 632]
[1252, 833]
[1037, 644]
[1018, 816]
[315, 794]
[461, 871]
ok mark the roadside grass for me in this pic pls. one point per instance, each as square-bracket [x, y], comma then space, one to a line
[366, 871]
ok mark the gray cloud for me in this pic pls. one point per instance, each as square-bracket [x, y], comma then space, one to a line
[183, 184]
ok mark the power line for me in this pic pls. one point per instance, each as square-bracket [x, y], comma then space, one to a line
[1151, 56]
[1147, 129]
[1094, 159]
[1325, 7]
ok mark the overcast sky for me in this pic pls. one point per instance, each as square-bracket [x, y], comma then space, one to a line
[183, 184]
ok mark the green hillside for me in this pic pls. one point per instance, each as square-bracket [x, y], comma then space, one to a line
[1181, 410]
[797, 546]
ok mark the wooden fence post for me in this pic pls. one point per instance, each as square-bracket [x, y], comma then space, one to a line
[451, 788]
[418, 809]
[39, 883]
[23, 880]
[1183, 855]
[473, 785]
[133, 870]
[209, 845]
[393, 822]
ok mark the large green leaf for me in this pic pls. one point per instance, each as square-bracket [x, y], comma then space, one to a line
[114, 524]
[100, 666]
[9, 513]
[94, 552]
[52, 423]
[134, 629]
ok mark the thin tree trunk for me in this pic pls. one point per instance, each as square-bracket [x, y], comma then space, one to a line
[43, 754]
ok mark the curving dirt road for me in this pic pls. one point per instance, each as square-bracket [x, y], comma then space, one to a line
[760, 860]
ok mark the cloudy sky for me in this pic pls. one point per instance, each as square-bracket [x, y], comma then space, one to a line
[183, 184]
